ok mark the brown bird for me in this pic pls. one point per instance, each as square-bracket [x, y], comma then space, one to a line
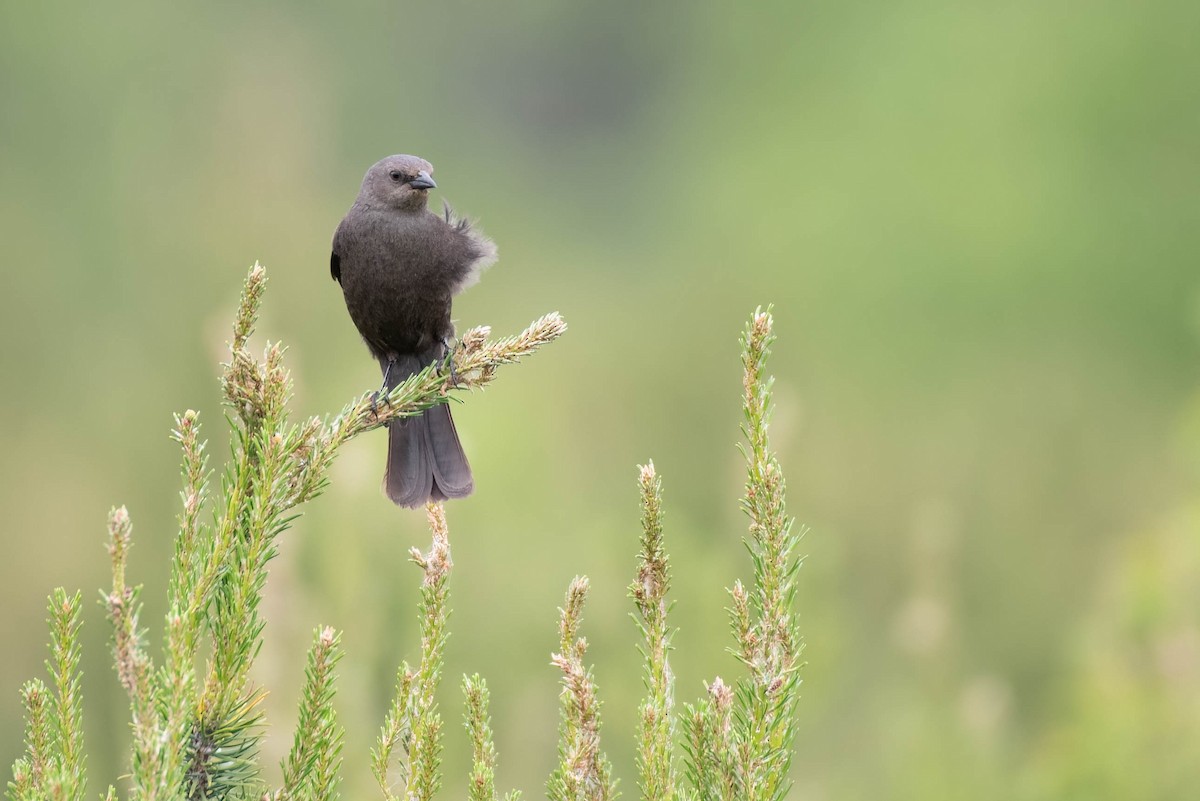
[399, 264]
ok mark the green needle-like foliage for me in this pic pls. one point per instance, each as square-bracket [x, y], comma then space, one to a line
[739, 740]
[583, 772]
[30, 771]
[396, 730]
[53, 766]
[656, 723]
[763, 621]
[67, 709]
[482, 785]
[196, 720]
[310, 771]
[710, 757]
[195, 716]
[413, 720]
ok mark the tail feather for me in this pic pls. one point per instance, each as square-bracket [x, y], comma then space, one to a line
[451, 471]
[407, 479]
[425, 458]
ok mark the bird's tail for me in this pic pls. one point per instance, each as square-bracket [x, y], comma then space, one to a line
[425, 459]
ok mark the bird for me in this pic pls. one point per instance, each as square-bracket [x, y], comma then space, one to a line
[399, 264]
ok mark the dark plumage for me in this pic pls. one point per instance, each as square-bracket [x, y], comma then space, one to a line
[399, 265]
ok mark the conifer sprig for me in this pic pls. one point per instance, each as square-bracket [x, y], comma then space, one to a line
[196, 714]
[30, 771]
[53, 766]
[413, 720]
[482, 782]
[310, 772]
[67, 706]
[709, 749]
[656, 721]
[762, 618]
[583, 772]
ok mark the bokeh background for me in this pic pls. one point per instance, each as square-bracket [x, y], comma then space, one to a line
[978, 223]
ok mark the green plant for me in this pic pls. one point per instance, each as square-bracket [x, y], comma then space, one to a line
[195, 716]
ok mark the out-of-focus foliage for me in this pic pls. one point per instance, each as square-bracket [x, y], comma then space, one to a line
[978, 223]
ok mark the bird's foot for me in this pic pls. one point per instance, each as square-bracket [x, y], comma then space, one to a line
[448, 365]
[382, 392]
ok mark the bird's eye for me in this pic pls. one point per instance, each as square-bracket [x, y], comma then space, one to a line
[396, 176]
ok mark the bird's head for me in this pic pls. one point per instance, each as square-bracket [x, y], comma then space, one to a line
[401, 182]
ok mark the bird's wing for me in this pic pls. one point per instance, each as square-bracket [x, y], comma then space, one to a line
[335, 261]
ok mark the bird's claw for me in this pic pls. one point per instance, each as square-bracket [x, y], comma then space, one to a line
[448, 365]
[383, 388]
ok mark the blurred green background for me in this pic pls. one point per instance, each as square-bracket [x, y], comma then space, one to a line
[978, 224]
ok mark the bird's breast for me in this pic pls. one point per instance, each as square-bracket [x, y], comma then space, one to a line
[393, 286]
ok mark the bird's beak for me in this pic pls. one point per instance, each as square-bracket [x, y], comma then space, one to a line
[422, 181]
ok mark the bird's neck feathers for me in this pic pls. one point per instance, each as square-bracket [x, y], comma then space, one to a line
[413, 204]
